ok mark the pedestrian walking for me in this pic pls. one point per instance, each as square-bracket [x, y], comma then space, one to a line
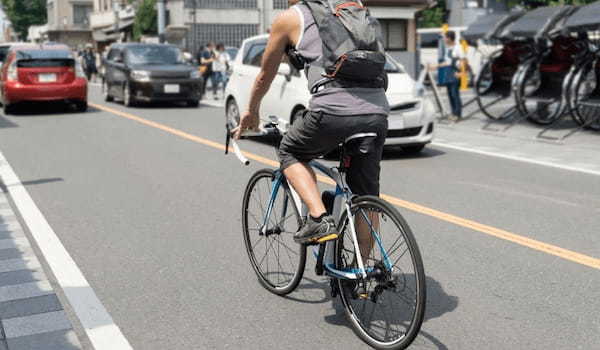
[452, 56]
[220, 68]
[206, 58]
[89, 62]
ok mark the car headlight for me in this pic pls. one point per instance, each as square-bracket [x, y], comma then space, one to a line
[195, 74]
[140, 75]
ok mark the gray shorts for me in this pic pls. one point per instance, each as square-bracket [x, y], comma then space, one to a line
[317, 134]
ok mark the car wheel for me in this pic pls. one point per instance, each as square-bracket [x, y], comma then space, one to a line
[105, 93]
[412, 149]
[8, 109]
[128, 100]
[81, 106]
[232, 113]
[193, 103]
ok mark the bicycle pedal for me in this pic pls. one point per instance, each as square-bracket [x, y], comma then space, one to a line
[327, 238]
[363, 296]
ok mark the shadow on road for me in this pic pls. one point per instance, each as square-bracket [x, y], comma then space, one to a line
[396, 152]
[47, 109]
[439, 303]
[5, 123]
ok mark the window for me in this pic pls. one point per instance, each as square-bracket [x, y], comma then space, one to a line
[113, 54]
[429, 40]
[253, 55]
[280, 4]
[81, 14]
[228, 34]
[394, 33]
[221, 4]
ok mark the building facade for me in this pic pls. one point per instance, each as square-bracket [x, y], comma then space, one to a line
[193, 23]
[111, 21]
[69, 21]
[465, 12]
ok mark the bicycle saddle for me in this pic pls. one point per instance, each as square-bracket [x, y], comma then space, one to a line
[359, 144]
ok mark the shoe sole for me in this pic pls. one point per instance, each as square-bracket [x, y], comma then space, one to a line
[315, 240]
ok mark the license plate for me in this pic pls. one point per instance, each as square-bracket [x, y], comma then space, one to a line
[172, 88]
[47, 78]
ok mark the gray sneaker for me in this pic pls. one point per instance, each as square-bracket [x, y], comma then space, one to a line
[317, 232]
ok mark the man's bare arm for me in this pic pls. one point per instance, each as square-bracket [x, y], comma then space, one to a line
[279, 39]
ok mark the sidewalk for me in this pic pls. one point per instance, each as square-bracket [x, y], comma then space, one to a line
[31, 315]
[522, 140]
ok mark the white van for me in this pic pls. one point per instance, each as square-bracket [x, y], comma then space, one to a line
[429, 37]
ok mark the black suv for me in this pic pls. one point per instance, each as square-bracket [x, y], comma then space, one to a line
[150, 72]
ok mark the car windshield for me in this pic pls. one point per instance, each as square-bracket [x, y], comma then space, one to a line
[154, 55]
[232, 51]
[392, 67]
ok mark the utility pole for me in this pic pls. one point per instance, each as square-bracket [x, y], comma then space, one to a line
[160, 6]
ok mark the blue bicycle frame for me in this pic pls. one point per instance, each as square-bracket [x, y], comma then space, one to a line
[343, 197]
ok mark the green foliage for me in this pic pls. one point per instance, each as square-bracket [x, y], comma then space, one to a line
[433, 17]
[145, 19]
[24, 13]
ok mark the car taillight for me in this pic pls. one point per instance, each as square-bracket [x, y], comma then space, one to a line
[11, 73]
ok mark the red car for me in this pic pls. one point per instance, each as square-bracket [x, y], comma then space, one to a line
[42, 73]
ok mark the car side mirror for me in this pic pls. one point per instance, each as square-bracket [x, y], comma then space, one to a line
[285, 70]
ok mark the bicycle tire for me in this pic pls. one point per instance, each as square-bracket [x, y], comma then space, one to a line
[539, 116]
[483, 84]
[585, 115]
[418, 277]
[250, 227]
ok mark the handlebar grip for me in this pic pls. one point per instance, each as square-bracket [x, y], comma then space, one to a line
[238, 153]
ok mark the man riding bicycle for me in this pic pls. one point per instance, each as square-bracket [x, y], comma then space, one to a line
[338, 109]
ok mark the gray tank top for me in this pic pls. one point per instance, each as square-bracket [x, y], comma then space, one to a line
[333, 100]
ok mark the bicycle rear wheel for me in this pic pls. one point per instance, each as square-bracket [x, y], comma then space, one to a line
[390, 314]
[277, 260]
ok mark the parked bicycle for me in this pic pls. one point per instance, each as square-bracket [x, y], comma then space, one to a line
[374, 266]
[583, 94]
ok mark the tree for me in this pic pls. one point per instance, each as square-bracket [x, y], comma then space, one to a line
[433, 17]
[145, 20]
[23, 14]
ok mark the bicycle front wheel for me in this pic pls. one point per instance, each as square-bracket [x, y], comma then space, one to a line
[277, 260]
[388, 312]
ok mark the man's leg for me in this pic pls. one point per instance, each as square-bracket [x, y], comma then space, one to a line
[306, 139]
[304, 181]
[363, 179]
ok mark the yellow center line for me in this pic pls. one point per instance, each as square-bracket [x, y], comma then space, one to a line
[473, 225]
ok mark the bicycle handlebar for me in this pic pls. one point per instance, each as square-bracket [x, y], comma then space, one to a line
[268, 130]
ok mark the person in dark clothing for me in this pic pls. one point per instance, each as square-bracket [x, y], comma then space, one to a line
[206, 59]
[89, 62]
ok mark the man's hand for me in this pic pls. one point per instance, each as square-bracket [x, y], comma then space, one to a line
[248, 121]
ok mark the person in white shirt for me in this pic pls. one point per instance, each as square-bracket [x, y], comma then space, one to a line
[220, 68]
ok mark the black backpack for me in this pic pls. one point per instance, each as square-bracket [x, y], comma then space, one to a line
[353, 50]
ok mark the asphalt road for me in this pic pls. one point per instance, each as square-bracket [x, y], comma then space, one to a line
[153, 221]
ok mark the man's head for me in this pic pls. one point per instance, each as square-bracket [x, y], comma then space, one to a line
[450, 38]
[293, 2]
[210, 45]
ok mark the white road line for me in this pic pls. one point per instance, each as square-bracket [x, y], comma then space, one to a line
[517, 158]
[98, 324]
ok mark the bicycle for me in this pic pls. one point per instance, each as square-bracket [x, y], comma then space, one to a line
[368, 278]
